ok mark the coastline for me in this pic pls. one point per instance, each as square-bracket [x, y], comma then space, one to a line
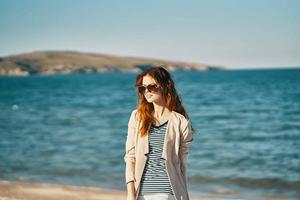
[19, 190]
[74, 62]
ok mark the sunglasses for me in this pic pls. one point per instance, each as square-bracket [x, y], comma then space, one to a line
[150, 88]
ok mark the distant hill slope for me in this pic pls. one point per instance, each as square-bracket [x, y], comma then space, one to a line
[67, 62]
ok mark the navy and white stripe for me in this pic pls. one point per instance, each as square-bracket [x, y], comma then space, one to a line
[155, 178]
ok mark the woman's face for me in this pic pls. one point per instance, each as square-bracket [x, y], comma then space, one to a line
[154, 96]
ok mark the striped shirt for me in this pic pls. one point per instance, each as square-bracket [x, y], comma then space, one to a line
[155, 178]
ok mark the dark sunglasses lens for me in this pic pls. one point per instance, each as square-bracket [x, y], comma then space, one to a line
[141, 89]
[151, 88]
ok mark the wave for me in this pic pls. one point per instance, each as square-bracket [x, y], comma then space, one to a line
[259, 183]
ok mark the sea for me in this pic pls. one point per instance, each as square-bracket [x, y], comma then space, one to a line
[71, 129]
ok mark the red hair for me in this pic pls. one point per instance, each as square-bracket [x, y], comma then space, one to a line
[145, 110]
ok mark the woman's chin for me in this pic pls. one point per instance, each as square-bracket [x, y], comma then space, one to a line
[149, 101]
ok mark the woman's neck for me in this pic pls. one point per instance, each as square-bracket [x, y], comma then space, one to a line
[161, 114]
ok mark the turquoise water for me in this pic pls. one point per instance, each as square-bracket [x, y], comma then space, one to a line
[71, 129]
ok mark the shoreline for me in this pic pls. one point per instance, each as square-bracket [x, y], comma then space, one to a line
[21, 190]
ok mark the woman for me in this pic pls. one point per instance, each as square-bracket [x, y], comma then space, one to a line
[158, 139]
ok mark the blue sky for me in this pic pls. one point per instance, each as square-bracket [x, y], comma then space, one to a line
[232, 33]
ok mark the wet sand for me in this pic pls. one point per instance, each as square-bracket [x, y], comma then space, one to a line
[17, 190]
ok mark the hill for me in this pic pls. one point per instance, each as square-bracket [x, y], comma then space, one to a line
[67, 62]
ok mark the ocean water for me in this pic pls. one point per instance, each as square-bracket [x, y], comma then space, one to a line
[71, 129]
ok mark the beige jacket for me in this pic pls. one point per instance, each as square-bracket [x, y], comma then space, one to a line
[178, 138]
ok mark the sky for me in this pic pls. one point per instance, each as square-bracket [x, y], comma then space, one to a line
[236, 34]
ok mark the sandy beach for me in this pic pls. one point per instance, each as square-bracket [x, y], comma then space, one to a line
[16, 190]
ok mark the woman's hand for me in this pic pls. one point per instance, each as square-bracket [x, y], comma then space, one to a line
[130, 191]
[130, 196]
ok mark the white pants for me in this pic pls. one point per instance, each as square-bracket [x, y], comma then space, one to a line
[156, 196]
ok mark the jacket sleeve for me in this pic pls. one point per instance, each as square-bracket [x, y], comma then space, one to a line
[185, 142]
[129, 157]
